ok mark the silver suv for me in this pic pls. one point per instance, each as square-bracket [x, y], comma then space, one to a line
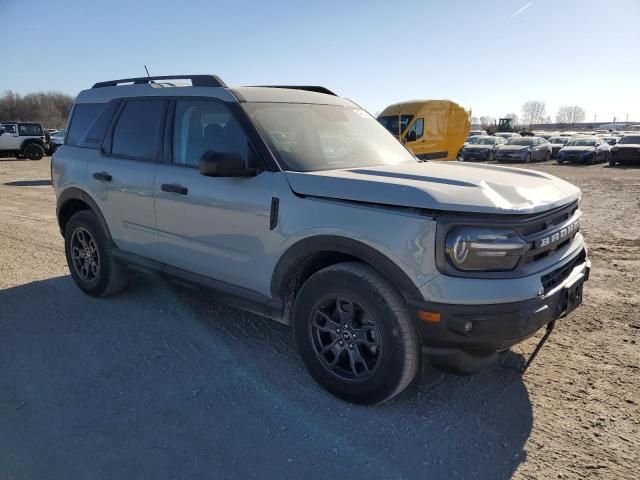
[22, 140]
[297, 204]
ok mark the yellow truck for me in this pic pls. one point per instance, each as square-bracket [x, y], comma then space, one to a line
[431, 129]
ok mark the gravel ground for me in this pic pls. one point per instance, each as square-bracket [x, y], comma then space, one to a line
[163, 382]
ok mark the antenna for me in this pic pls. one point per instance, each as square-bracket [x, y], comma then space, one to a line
[147, 70]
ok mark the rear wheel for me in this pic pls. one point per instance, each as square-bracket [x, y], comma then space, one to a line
[547, 157]
[492, 156]
[527, 158]
[90, 258]
[354, 334]
[33, 151]
[612, 162]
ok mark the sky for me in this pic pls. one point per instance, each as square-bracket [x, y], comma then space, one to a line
[490, 56]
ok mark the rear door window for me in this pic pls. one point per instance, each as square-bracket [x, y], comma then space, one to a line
[137, 132]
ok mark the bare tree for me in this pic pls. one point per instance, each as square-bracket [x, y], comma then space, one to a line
[570, 114]
[533, 111]
[475, 121]
[513, 117]
[51, 109]
[486, 120]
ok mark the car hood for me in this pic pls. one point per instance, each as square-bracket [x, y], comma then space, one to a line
[450, 186]
[577, 148]
[512, 148]
[478, 147]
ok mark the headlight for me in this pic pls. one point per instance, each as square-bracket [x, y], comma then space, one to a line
[484, 249]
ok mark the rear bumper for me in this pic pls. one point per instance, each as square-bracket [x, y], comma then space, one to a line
[468, 338]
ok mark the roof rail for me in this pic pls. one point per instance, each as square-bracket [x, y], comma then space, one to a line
[196, 80]
[308, 88]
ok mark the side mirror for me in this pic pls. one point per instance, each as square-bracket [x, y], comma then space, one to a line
[411, 136]
[224, 164]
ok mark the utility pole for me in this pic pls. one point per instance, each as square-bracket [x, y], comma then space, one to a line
[626, 121]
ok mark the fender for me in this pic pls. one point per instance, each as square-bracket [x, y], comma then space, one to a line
[28, 141]
[296, 254]
[74, 193]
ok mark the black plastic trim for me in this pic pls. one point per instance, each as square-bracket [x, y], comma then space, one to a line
[291, 260]
[273, 214]
[239, 297]
[196, 80]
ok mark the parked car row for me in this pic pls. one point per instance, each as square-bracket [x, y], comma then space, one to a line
[578, 148]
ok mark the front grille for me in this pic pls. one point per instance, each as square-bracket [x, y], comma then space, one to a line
[626, 154]
[558, 228]
[559, 275]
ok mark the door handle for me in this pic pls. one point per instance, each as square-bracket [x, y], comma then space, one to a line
[102, 176]
[174, 188]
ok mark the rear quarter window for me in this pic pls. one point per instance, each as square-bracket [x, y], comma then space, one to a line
[84, 114]
[30, 129]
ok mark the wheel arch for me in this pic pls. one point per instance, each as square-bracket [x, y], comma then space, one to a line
[29, 141]
[73, 200]
[312, 254]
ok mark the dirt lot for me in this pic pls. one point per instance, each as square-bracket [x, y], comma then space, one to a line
[162, 382]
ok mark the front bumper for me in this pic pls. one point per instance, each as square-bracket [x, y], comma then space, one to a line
[468, 338]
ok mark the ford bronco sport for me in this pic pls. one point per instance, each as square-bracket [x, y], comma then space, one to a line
[22, 140]
[297, 204]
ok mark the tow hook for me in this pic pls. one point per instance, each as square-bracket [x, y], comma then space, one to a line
[542, 341]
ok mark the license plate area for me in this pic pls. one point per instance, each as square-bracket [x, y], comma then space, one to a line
[570, 298]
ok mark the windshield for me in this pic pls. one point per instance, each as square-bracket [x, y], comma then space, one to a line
[391, 123]
[581, 142]
[309, 137]
[484, 141]
[473, 139]
[558, 140]
[520, 141]
[630, 139]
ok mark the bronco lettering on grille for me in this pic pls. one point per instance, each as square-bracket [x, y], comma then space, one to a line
[559, 235]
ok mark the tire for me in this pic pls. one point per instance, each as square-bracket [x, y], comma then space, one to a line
[492, 156]
[547, 157]
[107, 278]
[612, 163]
[371, 367]
[19, 156]
[33, 151]
[527, 158]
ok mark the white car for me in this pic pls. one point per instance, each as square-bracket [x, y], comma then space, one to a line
[22, 140]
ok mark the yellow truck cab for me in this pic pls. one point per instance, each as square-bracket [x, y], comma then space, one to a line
[431, 129]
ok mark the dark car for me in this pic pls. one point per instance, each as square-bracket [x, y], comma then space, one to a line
[556, 144]
[611, 140]
[524, 149]
[627, 150]
[481, 148]
[584, 150]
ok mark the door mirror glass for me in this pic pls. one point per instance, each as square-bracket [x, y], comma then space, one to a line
[224, 164]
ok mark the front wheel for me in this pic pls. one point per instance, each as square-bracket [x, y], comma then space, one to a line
[527, 159]
[492, 156]
[612, 162]
[355, 335]
[547, 157]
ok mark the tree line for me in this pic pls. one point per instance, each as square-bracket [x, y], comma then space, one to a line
[51, 109]
[535, 112]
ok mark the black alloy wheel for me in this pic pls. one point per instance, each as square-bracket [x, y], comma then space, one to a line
[345, 337]
[85, 255]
